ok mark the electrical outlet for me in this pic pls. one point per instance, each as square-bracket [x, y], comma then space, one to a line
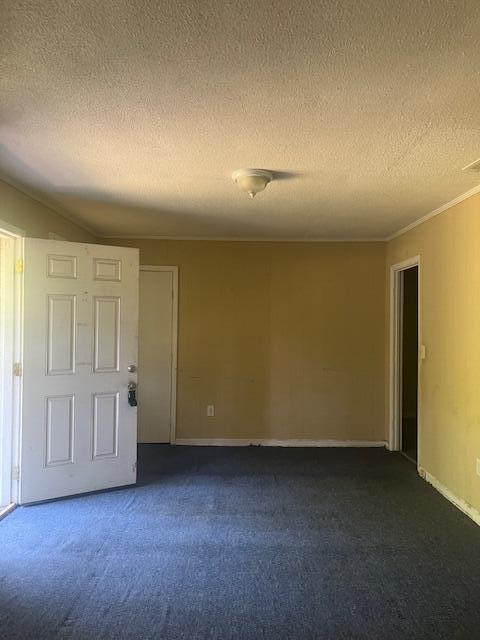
[210, 410]
[478, 466]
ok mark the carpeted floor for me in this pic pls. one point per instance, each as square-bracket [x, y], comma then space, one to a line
[245, 543]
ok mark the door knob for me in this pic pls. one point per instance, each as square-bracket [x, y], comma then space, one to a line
[131, 368]
[132, 394]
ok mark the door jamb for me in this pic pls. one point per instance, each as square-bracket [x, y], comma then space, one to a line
[395, 378]
[173, 399]
[11, 337]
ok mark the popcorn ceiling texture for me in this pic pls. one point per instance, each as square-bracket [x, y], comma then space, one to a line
[131, 116]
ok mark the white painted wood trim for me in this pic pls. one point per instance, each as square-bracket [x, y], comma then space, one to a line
[394, 439]
[7, 329]
[238, 238]
[246, 442]
[7, 229]
[461, 504]
[4, 511]
[75, 220]
[409, 227]
[11, 346]
[17, 424]
[173, 269]
[435, 212]
[46, 202]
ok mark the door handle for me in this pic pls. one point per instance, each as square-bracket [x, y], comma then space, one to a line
[132, 394]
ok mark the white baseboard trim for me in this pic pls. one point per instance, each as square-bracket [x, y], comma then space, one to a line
[4, 511]
[246, 442]
[461, 504]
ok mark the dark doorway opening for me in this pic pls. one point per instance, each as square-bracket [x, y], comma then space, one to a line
[409, 359]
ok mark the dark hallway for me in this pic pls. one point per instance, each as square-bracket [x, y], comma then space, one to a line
[410, 363]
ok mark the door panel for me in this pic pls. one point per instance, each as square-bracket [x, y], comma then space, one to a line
[80, 335]
[107, 269]
[61, 266]
[60, 419]
[61, 334]
[106, 334]
[105, 425]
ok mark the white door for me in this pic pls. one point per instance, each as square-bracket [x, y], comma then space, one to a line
[157, 354]
[79, 432]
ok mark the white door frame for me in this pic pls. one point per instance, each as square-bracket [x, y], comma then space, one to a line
[173, 397]
[395, 360]
[11, 345]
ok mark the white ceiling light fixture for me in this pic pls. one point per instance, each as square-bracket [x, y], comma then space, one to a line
[252, 180]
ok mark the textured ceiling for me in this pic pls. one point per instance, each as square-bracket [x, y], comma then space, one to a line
[131, 115]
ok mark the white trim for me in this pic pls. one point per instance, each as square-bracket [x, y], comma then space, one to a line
[18, 357]
[236, 238]
[4, 511]
[11, 346]
[396, 293]
[7, 328]
[461, 504]
[472, 165]
[395, 234]
[75, 220]
[435, 212]
[173, 397]
[7, 229]
[246, 442]
[33, 195]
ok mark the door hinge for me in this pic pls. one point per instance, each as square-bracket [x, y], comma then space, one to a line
[15, 472]
[19, 266]
[17, 369]
[134, 467]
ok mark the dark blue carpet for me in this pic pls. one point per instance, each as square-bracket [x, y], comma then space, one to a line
[247, 543]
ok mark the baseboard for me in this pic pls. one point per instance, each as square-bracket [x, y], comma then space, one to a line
[4, 511]
[247, 442]
[461, 504]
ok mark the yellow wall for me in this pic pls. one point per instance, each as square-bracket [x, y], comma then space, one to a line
[286, 339]
[289, 340]
[36, 219]
[450, 329]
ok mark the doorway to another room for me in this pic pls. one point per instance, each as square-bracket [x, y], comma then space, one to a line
[404, 358]
[409, 364]
[157, 354]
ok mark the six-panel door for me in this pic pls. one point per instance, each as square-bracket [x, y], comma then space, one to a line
[80, 336]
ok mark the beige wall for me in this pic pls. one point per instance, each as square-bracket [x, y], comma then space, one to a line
[286, 339]
[290, 340]
[450, 329]
[36, 219]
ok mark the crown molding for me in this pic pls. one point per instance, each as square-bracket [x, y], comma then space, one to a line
[435, 212]
[33, 195]
[74, 220]
[396, 234]
[237, 239]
